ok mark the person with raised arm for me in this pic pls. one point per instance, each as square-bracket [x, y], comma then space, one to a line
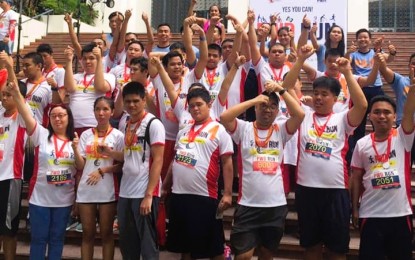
[84, 88]
[322, 195]
[52, 187]
[381, 176]
[261, 192]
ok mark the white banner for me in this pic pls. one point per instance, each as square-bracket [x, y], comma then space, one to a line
[290, 13]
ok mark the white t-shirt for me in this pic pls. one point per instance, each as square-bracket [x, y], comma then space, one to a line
[212, 79]
[196, 164]
[121, 74]
[236, 92]
[53, 180]
[57, 73]
[261, 183]
[12, 143]
[39, 98]
[82, 100]
[136, 172]
[164, 105]
[321, 160]
[106, 190]
[386, 189]
[265, 72]
[5, 18]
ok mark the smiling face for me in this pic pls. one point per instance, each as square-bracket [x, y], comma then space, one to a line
[382, 116]
[163, 34]
[266, 113]
[175, 68]
[363, 40]
[323, 100]
[59, 119]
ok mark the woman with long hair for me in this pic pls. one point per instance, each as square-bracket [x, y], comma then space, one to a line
[52, 186]
[98, 188]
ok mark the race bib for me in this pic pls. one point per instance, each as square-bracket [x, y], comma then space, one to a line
[267, 164]
[318, 150]
[58, 177]
[186, 159]
[385, 179]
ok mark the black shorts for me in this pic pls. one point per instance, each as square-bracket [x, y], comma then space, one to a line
[323, 217]
[193, 227]
[254, 226]
[386, 237]
[10, 195]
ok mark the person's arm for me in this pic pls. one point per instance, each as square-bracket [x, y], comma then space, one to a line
[227, 82]
[255, 54]
[305, 30]
[355, 186]
[112, 53]
[22, 108]
[123, 31]
[203, 52]
[228, 117]
[74, 39]
[167, 82]
[56, 97]
[408, 111]
[313, 37]
[353, 48]
[7, 61]
[227, 169]
[79, 160]
[296, 112]
[390, 57]
[263, 49]
[157, 152]
[149, 31]
[118, 105]
[95, 176]
[236, 45]
[187, 39]
[273, 29]
[214, 21]
[303, 53]
[357, 111]
[387, 73]
[190, 11]
[100, 84]
[69, 81]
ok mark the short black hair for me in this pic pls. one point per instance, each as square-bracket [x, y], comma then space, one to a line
[177, 46]
[333, 85]
[142, 61]
[107, 100]
[272, 96]
[44, 47]
[411, 57]
[171, 54]
[88, 48]
[382, 98]
[35, 57]
[203, 93]
[136, 42]
[284, 28]
[133, 88]
[363, 30]
[226, 40]
[214, 46]
[163, 24]
[333, 53]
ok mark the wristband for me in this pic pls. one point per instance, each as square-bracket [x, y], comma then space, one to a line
[202, 39]
[236, 66]
[306, 27]
[101, 172]
[273, 24]
[282, 91]
[393, 54]
[54, 88]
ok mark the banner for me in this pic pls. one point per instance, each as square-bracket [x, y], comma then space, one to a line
[290, 13]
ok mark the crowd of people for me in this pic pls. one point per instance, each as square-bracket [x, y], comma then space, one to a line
[166, 127]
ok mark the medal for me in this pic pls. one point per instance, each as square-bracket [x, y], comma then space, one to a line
[56, 162]
[85, 90]
[386, 165]
[190, 145]
[97, 162]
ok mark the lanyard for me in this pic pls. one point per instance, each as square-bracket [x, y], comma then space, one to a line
[211, 77]
[46, 73]
[86, 85]
[193, 134]
[34, 88]
[320, 129]
[382, 157]
[126, 75]
[129, 135]
[264, 143]
[60, 151]
[96, 137]
[276, 78]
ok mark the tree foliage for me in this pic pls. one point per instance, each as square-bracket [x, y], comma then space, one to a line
[34, 7]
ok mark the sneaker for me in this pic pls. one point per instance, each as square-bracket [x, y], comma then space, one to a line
[115, 225]
[78, 228]
[72, 223]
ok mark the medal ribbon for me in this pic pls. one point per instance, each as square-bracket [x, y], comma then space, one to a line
[276, 78]
[46, 73]
[96, 137]
[193, 134]
[264, 143]
[59, 152]
[35, 87]
[86, 85]
[211, 77]
[382, 157]
[320, 129]
[126, 75]
[129, 135]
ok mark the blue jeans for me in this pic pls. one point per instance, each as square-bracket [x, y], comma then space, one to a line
[48, 229]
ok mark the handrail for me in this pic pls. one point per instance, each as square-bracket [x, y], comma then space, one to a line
[36, 16]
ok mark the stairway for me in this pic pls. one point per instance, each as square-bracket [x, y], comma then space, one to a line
[289, 247]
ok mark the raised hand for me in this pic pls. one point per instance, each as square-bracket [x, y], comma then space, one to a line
[144, 16]
[251, 16]
[97, 52]
[306, 21]
[343, 65]
[305, 52]
[69, 53]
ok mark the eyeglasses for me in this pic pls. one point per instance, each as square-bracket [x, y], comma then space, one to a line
[60, 116]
